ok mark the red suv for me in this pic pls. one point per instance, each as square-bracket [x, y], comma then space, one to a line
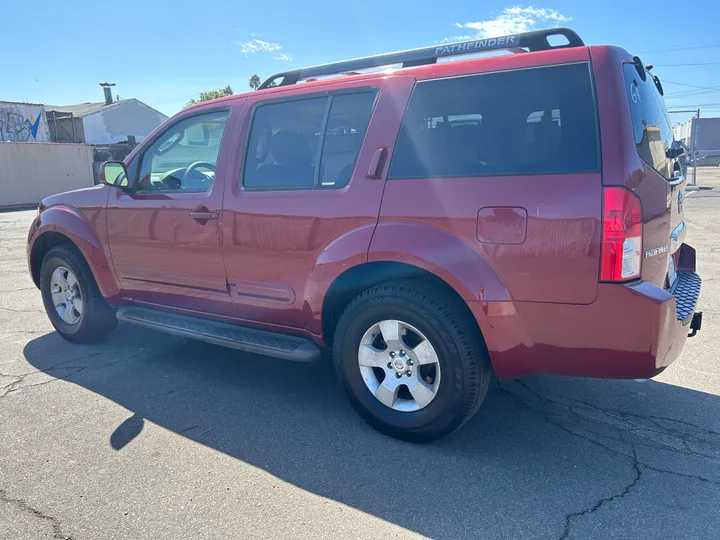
[431, 224]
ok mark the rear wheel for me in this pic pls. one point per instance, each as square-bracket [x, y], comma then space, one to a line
[71, 297]
[411, 361]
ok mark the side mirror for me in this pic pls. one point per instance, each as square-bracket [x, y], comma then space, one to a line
[113, 174]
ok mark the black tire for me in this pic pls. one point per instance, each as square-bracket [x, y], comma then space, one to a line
[463, 358]
[98, 318]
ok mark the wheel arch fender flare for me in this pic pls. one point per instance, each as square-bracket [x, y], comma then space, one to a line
[446, 260]
[462, 266]
[64, 224]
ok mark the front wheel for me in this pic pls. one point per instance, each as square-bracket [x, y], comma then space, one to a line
[72, 300]
[411, 361]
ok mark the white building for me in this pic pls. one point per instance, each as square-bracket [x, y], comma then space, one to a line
[103, 123]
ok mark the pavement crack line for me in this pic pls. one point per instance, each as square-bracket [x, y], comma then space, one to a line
[568, 518]
[12, 310]
[54, 522]
[17, 290]
[631, 454]
[15, 385]
[600, 502]
[629, 425]
[623, 415]
[24, 333]
[591, 437]
[20, 378]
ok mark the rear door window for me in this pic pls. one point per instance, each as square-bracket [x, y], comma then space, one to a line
[284, 143]
[310, 143]
[528, 121]
[651, 123]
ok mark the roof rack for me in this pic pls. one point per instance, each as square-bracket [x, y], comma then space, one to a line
[526, 42]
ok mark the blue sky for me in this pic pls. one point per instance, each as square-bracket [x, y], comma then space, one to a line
[166, 52]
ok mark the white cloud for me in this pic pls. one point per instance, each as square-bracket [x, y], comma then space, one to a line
[514, 20]
[283, 57]
[258, 45]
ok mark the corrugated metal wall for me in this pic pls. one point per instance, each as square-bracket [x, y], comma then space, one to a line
[31, 171]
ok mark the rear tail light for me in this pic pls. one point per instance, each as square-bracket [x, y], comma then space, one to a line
[622, 235]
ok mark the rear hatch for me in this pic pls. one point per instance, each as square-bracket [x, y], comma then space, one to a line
[662, 187]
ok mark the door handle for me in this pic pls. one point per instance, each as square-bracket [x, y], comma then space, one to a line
[377, 163]
[203, 215]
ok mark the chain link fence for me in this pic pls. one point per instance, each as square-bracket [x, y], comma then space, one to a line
[685, 128]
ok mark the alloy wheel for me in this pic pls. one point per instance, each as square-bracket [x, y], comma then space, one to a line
[66, 295]
[399, 365]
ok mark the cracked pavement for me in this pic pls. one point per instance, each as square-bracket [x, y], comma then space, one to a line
[152, 436]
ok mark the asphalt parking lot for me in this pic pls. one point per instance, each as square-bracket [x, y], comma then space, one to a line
[152, 436]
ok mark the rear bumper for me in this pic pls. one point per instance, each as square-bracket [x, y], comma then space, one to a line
[630, 331]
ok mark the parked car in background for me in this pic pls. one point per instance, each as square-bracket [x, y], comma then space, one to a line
[432, 225]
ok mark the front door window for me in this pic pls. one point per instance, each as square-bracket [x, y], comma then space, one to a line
[184, 158]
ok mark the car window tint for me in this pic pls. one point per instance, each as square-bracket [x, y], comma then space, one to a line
[651, 123]
[529, 121]
[346, 127]
[284, 141]
[185, 156]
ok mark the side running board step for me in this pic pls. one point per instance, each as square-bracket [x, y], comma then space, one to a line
[245, 339]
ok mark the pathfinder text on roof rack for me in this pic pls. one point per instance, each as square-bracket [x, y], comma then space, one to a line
[476, 45]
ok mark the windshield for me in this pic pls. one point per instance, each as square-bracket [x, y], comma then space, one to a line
[651, 123]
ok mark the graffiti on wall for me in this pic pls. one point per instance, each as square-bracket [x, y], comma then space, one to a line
[22, 122]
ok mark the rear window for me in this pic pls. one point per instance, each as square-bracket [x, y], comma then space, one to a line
[651, 123]
[529, 121]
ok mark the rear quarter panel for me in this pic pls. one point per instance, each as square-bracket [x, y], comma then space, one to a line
[436, 219]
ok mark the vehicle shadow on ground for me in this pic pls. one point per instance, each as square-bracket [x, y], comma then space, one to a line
[544, 458]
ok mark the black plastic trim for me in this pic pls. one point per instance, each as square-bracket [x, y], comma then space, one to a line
[695, 324]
